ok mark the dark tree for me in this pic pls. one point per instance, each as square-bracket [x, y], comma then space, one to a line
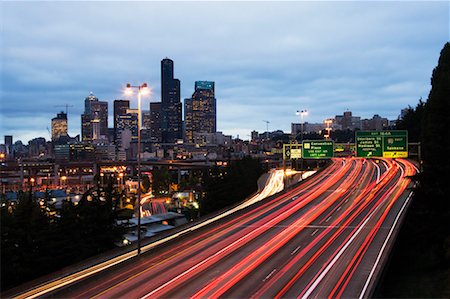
[145, 183]
[24, 236]
[160, 180]
[421, 258]
[34, 242]
[412, 122]
[228, 186]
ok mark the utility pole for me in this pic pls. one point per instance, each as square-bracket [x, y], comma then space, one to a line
[267, 128]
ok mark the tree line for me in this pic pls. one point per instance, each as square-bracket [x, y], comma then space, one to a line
[421, 258]
[36, 239]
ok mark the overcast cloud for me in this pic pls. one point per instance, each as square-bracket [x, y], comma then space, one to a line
[268, 59]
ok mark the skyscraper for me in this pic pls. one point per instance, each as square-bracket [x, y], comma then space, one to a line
[99, 111]
[88, 102]
[200, 110]
[94, 111]
[146, 119]
[171, 123]
[120, 108]
[59, 126]
[155, 122]
[127, 129]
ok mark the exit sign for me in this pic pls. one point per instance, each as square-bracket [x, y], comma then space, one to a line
[386, 144]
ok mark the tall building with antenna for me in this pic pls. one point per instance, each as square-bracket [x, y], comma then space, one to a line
[171, 121]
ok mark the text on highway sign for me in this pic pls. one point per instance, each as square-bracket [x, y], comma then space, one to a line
[386, 144]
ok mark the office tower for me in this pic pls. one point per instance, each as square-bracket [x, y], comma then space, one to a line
[59, 126]
[347, 121]
[99, 112]
[127, 128]
[155, 122]
[171, 123]
[86, 128]
[120, 108]
[95, 111]
[200, 110]
[146, 119]
[88, 102]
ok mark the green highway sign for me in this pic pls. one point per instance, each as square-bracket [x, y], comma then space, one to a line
[395, 144]
[386, 144]
[318, 149]
[292, 151]
[368, 144]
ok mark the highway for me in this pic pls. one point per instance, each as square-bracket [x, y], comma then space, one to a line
[327, 237]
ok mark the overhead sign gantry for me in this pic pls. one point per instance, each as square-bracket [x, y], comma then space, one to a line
[385, 144]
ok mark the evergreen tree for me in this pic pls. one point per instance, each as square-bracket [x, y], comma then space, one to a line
[225, 187]
[424, 237]
[24, 237]
[160, 180]
[412, 122]
[434, 180]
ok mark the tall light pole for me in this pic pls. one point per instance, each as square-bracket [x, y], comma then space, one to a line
[142, 89]
[301, 113]
[328, 123]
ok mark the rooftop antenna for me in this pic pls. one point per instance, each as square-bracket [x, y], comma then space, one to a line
[67, 107]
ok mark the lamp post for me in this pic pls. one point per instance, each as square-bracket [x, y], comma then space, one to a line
[120, 179]
[301, 113]
[142, 89]
[63, 181]
[328, 122]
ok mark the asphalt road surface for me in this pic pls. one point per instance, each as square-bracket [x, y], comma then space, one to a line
[325, 238]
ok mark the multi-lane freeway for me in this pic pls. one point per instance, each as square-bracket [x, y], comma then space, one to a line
[327, 237]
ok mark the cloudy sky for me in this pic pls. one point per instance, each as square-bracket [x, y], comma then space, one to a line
[268, 59]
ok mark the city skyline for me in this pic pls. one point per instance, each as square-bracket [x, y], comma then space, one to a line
[370, 58]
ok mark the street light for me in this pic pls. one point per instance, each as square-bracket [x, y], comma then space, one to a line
[142, 90]
[302, 113]
[120, 179]
[328, 123]
[63, 180]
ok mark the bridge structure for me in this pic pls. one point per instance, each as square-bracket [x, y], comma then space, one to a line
[16, 175]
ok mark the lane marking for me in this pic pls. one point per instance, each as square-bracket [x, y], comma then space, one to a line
[378, 172]
[295, 250]
[337, 256]
[314, 232]
[270, 274]
[366, 285]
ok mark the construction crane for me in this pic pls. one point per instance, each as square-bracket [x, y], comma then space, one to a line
[66, 105]
[267, 128]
